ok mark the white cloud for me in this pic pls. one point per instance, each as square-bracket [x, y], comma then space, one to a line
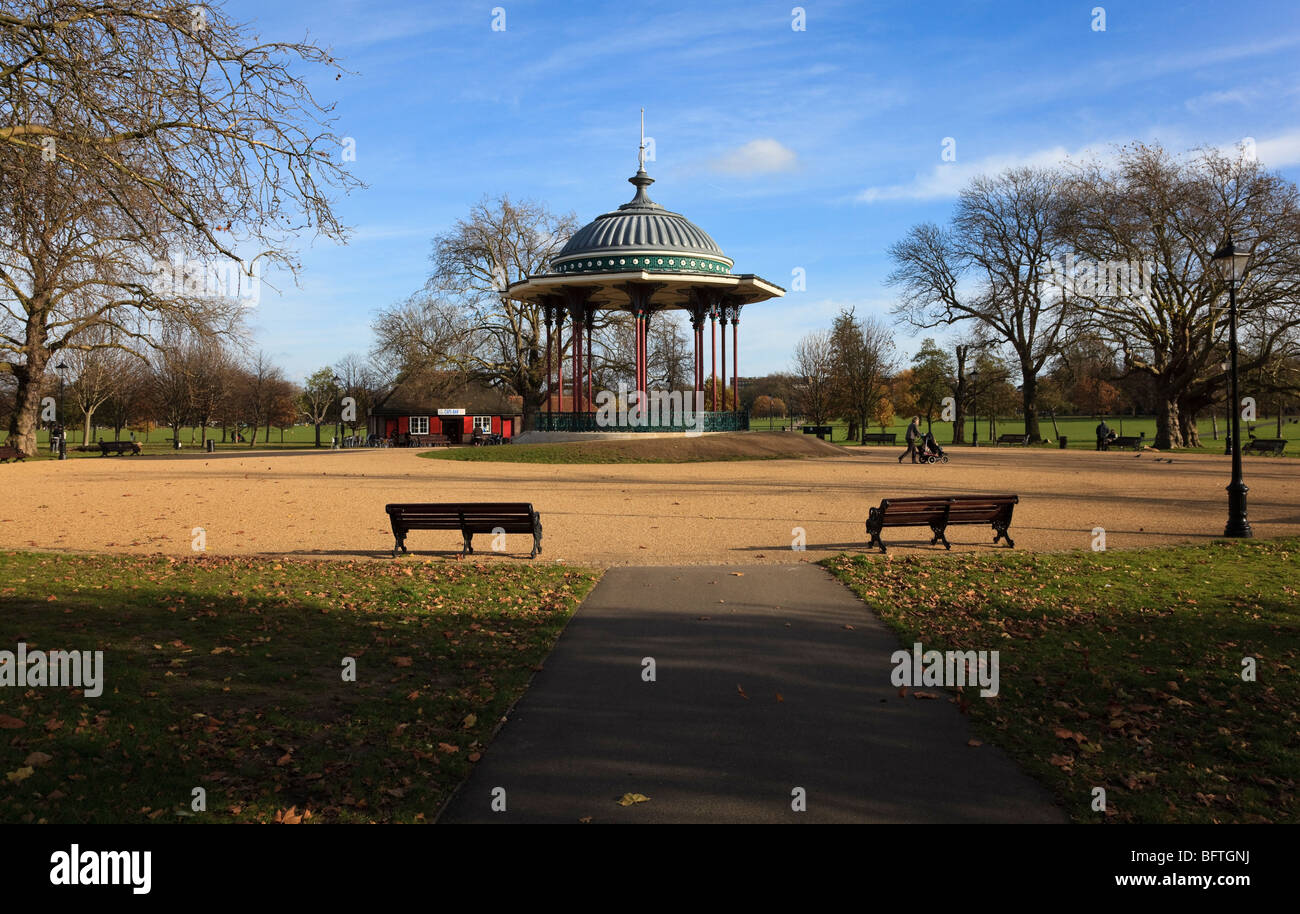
[946, 180]
[1279, 151]
[757, 157]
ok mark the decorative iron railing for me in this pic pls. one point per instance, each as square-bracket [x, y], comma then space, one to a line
[587, 422]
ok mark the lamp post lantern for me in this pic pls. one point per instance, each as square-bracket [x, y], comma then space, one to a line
[1232, 265]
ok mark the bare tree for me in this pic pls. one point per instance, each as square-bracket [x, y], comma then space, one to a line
[501, 242]
[992, 267]
[133, 132]
[1175, 212]
[814, 377]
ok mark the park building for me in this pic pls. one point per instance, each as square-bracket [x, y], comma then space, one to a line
[422, 406]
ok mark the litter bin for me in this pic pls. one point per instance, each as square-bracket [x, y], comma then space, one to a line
[211, 445]
[1063, 440]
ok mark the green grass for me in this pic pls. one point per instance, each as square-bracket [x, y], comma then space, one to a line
[158, 441]
[1123, 670]
[584, 452]
[1080, 431]
[226, 674]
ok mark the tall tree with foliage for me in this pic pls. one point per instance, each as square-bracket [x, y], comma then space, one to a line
[931, 381]
[862, 353]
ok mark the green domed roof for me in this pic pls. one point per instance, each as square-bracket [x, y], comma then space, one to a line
[641, 235]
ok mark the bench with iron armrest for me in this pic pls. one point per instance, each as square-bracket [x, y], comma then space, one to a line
[118, 447]
[1274, 446]
[939, 512]
[1012, 438]
[1125, 441]
[468, 518]
[880, 438]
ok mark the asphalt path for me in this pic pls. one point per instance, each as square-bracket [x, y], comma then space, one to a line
[768, 681]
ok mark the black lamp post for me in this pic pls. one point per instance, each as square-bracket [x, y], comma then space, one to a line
[62, 369]
[338, 437]
[1232, 265]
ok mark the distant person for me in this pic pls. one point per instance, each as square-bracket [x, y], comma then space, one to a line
[1103, 435]
[913, 432]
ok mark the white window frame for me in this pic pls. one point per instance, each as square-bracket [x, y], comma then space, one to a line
[483, 424]
[418, 425]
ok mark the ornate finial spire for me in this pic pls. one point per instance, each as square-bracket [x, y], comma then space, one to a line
[641, 180]
[641, 154]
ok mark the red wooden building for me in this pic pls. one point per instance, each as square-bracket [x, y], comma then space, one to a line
[438, 404]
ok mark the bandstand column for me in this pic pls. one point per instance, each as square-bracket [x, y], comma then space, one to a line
[588, 350]
[725, 309]
[735, 356]
[713, 333]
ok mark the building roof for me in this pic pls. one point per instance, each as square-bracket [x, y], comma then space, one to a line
[424, 393]
[641, 235]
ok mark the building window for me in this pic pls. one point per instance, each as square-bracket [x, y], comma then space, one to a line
[483, 424]
[419, 425]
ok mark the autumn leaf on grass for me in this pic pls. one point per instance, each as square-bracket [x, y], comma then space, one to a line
[448, 748]
[37, 758]
[469, 721]
[10, 723]
[631, 799]
[21, 774]
[284, 760]
[402, 661]
[291, 816]
[1061, 761]
[974, 743]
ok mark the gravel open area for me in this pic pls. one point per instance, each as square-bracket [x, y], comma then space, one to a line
[330, 504]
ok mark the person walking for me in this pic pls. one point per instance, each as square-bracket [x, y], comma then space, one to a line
[1103, 433]
[913, 432]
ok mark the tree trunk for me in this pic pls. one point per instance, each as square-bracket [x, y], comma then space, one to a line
[1169, 433]
[317, 434]
[1187, 424]
[30, 375]
[1029, 392]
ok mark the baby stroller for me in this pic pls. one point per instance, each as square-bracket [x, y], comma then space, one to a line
[929, 451]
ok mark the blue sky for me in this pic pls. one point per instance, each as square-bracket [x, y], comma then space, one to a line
[811, 149]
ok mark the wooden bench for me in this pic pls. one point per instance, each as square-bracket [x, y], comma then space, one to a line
[821, 431]
[1012, 438]
[468, 518]
[430, 441]
[118, 447]
[1274, 446]
[880, 438]
[938, 512]
[1126, 441]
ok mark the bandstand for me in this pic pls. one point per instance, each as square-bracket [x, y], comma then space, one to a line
[644, 259]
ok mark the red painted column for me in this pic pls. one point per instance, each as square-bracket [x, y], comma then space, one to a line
[735, 360]
[577, 364]
[724, 361]
[588, 349]
[550, 391]
[713, 332]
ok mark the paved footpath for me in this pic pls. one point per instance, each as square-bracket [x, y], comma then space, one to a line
[590, 729]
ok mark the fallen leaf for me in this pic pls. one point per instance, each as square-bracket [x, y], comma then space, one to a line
[469, 721]
[21, 774]
[631, 799]
[38, 758]
[742, 692]
[585, 819]
[780, 697]
[10, 723]
[974, 743]
[402, 661]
